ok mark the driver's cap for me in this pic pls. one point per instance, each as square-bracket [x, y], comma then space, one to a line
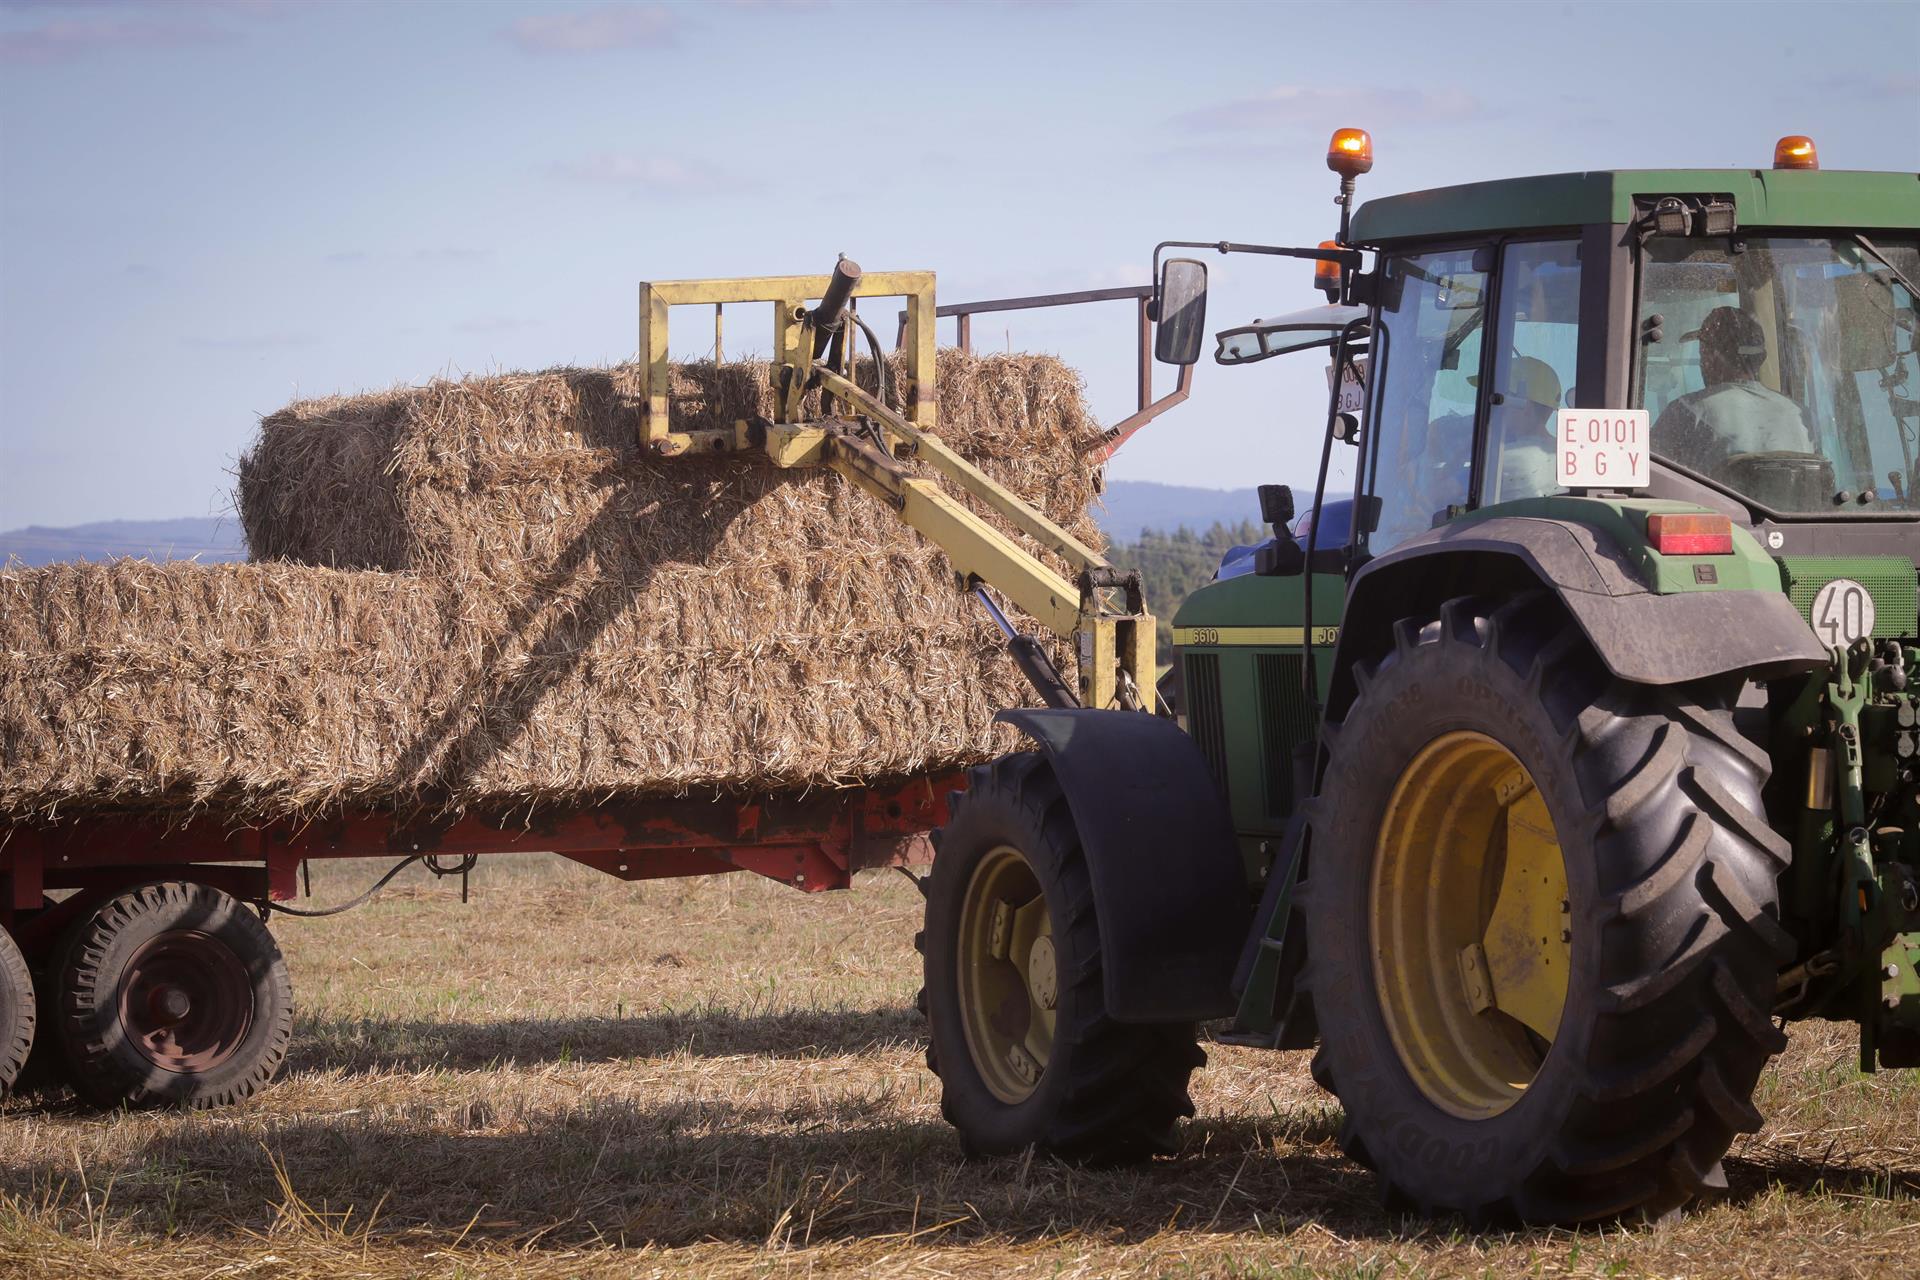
[1731, 330]
[1528, 379]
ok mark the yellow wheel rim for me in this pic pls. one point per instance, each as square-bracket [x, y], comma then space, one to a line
[1470, 927]
[1009, 984]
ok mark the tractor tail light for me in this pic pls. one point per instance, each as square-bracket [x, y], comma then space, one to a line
[1326, 275]
[1690, 535]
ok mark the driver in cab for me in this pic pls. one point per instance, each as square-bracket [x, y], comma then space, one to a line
[1734, 413]
[1520, 430]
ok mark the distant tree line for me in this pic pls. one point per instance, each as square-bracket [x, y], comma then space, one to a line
[1172, 565]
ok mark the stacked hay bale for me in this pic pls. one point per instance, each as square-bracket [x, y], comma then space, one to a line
[482, 594]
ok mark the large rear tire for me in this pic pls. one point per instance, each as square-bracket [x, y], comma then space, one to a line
[1020, 1037]
[173, 994]
[17, 1014]
[1541, 914]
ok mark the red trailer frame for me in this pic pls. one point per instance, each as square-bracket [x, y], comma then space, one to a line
[813, 841]
[175, 1021]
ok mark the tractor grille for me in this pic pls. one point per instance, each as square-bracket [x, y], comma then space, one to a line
[1286, 718]
[1890, 580]
[1203, 713]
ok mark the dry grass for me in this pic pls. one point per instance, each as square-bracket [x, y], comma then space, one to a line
[576, 1077]
[556, 618]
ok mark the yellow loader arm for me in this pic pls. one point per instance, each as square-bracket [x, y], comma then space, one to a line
[873, 445]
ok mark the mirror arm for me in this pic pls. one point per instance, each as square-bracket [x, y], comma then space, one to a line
[1350, 259]
[1108, 442]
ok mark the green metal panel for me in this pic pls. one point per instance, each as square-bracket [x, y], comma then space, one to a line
[1762, 197]
[1203, 710]
[1253, 601]
[1245, 705]
[1890, 580]
[1747, 568]
[1286, 720]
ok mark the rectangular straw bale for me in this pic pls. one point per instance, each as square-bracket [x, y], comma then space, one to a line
[538, 614]
[255, 692]
[522, 477]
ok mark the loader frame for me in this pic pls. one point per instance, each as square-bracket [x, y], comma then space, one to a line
[877, 447]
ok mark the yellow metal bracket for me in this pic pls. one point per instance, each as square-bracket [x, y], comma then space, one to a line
[1116, 641]
[789, 296]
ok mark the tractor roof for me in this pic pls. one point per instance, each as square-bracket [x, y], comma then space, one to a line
[1762, 197]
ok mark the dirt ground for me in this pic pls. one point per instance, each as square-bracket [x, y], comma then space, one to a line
[569, 1076]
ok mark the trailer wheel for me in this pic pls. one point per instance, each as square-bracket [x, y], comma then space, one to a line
[173, 994]
[1541, 917]
[16, 1013]
[1020, 1037]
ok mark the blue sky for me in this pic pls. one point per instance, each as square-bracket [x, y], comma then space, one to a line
[210, 208]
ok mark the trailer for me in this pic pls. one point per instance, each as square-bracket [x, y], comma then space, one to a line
[158, 982]
[135, 961]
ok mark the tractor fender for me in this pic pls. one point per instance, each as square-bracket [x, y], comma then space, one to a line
[1169, 887]
[1641, 635]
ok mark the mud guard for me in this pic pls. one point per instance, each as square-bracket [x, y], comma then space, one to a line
[1168, 881]
[1641, 636]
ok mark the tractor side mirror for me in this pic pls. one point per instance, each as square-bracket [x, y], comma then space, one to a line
[1180, 315]
[1276, 504]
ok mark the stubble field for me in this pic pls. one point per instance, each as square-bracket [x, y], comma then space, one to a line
[569, 1076]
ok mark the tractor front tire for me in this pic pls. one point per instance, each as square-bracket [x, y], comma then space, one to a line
[1019, 1033]
[172, 994]
[16, 1014]
[1542, 925]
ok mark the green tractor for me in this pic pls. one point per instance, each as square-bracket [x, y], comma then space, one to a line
[1584, 762]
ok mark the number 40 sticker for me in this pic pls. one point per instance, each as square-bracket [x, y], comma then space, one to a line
[1842, 613]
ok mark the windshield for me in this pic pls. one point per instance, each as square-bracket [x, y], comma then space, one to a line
[1784, 368]
[1432, 311]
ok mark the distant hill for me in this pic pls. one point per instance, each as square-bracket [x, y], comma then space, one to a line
[1133, 505]
[203, 538]
[1174, 565]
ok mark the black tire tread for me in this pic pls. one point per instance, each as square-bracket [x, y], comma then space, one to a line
[1649, 1128]
[1128, 1087]
[99, 1075]
[18, 1014]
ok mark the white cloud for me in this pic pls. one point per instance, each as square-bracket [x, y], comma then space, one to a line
[496, 324]
[79, 28]
[624, 26]
[269, 341]
[1291, 105]
[664, 174]
[66, 39]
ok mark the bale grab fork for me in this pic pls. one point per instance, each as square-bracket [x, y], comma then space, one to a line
[874, 444]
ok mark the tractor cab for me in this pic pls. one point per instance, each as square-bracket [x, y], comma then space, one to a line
[1763, 321]
[1740, 344]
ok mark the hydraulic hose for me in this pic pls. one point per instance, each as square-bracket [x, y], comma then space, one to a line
[883, 383]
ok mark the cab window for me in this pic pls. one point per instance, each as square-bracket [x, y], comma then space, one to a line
[1432, 313]
[1784, 368]
[1536, 345]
